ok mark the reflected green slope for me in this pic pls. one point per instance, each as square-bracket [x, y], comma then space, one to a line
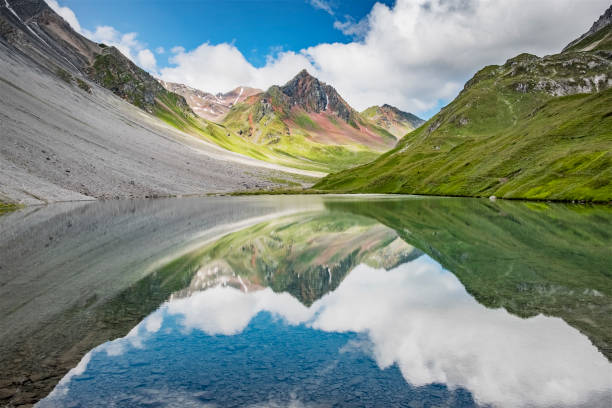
[306, 255]
[528, 258]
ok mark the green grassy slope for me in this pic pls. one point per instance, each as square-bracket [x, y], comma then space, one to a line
[601, 40]
[395, 121]
[307, 255]
[292, 151]
[262, 126]
[509, 133]
[528, 258]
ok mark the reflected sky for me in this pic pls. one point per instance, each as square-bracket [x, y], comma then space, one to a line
[382, 337]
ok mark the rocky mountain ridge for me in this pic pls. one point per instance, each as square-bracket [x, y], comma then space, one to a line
[312, 95]
[33, 28]
[213, 107]
[600, 28]
[396, 121]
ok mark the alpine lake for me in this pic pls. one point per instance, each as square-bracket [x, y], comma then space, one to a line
[306, 301]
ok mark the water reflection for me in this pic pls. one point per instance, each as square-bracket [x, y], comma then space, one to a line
[341, 307]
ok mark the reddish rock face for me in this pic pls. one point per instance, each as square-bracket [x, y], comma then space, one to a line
[207, 105]
[312, 95]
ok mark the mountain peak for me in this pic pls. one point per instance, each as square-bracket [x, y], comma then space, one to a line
[599, 35]
[303, 73]
[312, 95]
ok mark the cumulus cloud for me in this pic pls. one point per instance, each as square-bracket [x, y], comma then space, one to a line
[127, 43]
[322, 5]
[219, 68]
[160, 50]
[414, 55]
[66, 13]
[355, 29]
[146, 60]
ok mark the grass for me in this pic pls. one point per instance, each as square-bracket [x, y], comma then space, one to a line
[64, 75]
[83, 85]
[292, 254]
[603, 38]
[8, 207]
[294, 150]
[496, 140]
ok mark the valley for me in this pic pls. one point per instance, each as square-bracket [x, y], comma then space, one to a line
[230, 204]
[304, 124]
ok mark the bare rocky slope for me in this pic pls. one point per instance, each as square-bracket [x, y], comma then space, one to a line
[66, 135]
[208, 106]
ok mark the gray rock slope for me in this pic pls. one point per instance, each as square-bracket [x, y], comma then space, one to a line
[59, 142]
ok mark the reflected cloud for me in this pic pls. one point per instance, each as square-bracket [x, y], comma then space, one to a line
[227, 311]
[421, 318]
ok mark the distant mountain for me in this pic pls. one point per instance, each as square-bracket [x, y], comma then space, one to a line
[308, 108]
[537, 128]
[309, 120]
[304, 123]
[209, 106]
[599, 36]
[388, 117]
[306, 255]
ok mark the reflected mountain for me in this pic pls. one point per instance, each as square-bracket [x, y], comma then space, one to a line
[203, 258]
[306, 255]
[529, 258]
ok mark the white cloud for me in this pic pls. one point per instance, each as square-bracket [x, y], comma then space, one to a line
[322, 5]
[66, 13]
[355, 29]
[146, 60]
[160, 50]
[412, 55]
[219, 68]
[127, 43]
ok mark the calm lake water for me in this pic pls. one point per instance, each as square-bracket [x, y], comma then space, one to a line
[306, 302]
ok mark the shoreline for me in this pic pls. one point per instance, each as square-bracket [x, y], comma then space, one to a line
[10, 207]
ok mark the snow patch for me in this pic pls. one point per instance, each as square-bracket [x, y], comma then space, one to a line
[8, 6]
[239, 95]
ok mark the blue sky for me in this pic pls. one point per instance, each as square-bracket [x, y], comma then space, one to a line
[413, 54]
[256, 27]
